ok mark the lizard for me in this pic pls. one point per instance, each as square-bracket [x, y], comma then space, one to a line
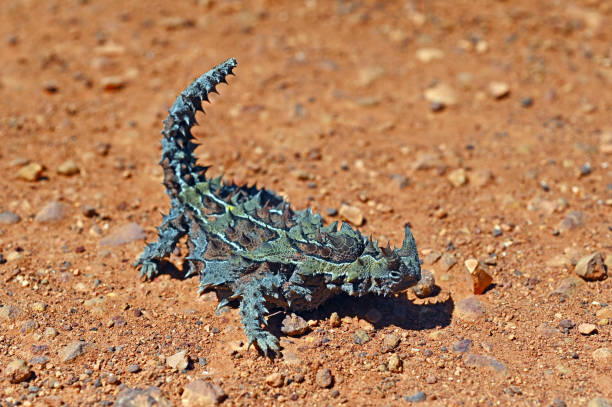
[249, 245]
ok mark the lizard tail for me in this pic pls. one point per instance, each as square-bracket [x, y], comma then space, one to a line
[177, 159]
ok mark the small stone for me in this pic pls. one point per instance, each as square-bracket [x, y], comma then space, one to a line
[125, 234]
[351, 214]
[361, 337]
[527, 102]
[487, 362]
[134, 368]
[432, 257]
[572, 220]
[30, 172]
[29, 326]
[149, 397]
[587, 329]
[275, 380]
[324, 378]
[110, 83]
[9, 313]
[603, 357]
[332, 212]
[171, 23]
[373, 315]
[294, 325]
[458, 177]
[592, 267]
[470, 309]
[499, 90]
[390, 342]
[395, 363]
[599, 402]
[39, 360]
[443, 94]
[448, 261]
[481, 178]
[568, 286]
[426, 286]
[18, 371]
[416, 397]
[431, 379]
[38, 306]
[68, 168]
[179, 361]
[462, 346]
[52, 212]
[50, 86]
[50, 332]
[113, 380]
[72, 351]
[426, 55]
[9, 218]
[89, 211]
[334, 320]
[480, 278]
[545, 330]
[604, 313]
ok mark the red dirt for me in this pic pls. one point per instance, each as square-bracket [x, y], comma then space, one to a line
[327, 108]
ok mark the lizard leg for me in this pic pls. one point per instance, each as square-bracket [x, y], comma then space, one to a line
[196, 243]
[253, 311]
[171, 230]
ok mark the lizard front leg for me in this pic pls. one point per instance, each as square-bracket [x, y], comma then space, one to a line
[169, 233]
[253, 311]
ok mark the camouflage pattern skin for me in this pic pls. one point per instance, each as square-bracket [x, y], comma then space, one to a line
[248, 245]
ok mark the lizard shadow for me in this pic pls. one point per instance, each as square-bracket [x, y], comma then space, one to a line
[381, 312]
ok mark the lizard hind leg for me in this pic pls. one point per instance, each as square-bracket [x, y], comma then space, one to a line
[169, 233]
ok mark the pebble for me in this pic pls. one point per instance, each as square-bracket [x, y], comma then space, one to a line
[390, 342]
[38, 306]
[458, 177]
[587, 329]
[432, 257]
[603, 356]
[426, 55]
[179, 361]
[29, 326]
[111, 83]
[134, 368]
[124, 234]
[52, 212]
[568, 286]
[395, 363]
[9, 218]
[50, 332]
[39, 360]
[470, 309]
[527, 102]
[499, 90]
[487, 362]
[599, 402]
[73, 350]
[441, 93]
[462, 346]
[546, 330]
[113, 380]
[18, 371]
[275, 380]
[448, 261]
[431, 379]
[324, 378]
[361, 337]
[294, 325]
[481, 178]
[591, 267]
[149, 397]
[334, 320]
[480, 278]
[332, 211]
[416, 397]
[373, 315]
[68, 168]
[9, 313]
[426, 286]
[30, 172]
[573, 220]
[89, 211]
[351, 214]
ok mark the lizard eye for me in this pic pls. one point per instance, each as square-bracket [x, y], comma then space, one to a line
[395, 275]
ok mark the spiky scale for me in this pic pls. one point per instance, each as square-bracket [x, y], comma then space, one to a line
[249, 245]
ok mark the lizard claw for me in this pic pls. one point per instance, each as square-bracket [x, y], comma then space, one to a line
[267, 343]
[149, 269]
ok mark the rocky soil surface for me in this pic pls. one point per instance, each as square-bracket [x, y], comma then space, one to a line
[484, 124]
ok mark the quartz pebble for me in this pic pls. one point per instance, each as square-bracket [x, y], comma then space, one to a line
[179, 361]
[587, 329]
[458, 177]
[499, 90]
[352, 214]
[30, 172]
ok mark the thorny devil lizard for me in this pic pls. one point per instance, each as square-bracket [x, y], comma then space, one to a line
[247, 244]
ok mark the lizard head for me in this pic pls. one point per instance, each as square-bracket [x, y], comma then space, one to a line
[402, 268]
